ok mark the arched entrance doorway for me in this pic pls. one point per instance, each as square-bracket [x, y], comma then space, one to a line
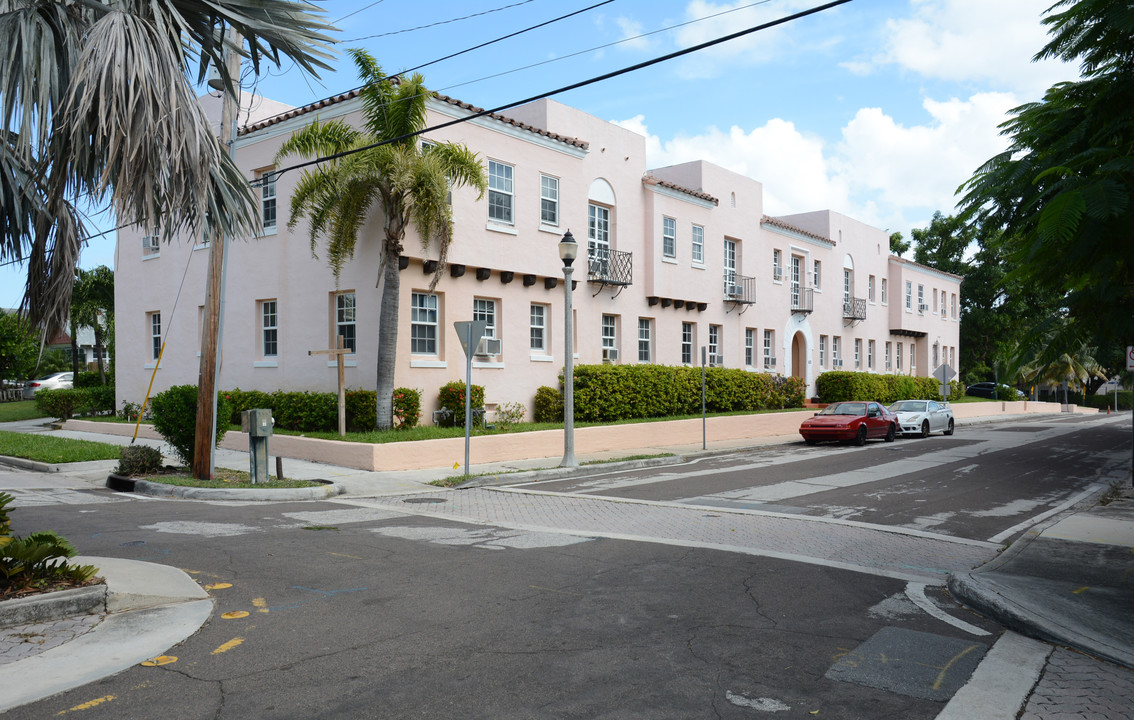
[799, 357]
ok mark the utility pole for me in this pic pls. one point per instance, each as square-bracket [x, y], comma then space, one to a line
[206, 430]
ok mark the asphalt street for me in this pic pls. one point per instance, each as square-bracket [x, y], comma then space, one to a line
[706, 589]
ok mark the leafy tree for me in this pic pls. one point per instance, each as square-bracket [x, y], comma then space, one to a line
[78, 126]
[897, 244]
[943, 244]
[19, 345]
[1063, 189]
[409, 184]
[92, 304]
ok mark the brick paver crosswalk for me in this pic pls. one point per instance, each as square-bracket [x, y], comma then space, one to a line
[903, 554]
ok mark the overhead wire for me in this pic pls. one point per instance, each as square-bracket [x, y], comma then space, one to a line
[435, 24]
[574, 86]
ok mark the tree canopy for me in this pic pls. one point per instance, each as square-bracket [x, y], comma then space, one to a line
[1062, 191]
[78, 126]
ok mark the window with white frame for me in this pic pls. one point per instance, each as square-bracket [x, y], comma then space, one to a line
[953, 306]
[548, 200]
[920, 298]
[898, 357]
[485, 309]
[909, 295]
[645, 334]
[943, 294]
[913, 349]
[714, 343]
[345, 320]
[935, 363]
[870, 288]
[423, 324]
[749, 347]
[870, 354]
[882, 288]
[857, 354]
[777, 265]
[538, 328]
[816, 274]
[846, 290]
[698, 244]
[269, 328]
[154, 319]
[952, 356]
[268, 199]
[887, 358]
[609, 333]
[822, 351]
[687, 343]
[769, 361]
[500, 192]
[669, 237]
[598, 239]
[835, 360]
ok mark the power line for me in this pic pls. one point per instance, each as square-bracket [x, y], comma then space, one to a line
[344, 17]
[439, 22]
[574, 86]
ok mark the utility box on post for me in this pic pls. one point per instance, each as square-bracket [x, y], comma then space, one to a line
[258, 424]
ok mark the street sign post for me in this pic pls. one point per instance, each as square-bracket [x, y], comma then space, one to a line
[469, 332]
[944, 374]
[1129, 366]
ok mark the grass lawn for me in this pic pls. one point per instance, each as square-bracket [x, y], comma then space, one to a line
[226, 478]
[48, 449]
[20, 410]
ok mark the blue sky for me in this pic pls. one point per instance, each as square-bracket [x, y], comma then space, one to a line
[878, 108]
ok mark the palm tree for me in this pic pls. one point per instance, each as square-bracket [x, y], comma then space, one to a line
[385, 165]
[79, 128]
[92, 305]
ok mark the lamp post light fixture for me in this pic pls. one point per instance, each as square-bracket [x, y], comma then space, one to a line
[568, 251]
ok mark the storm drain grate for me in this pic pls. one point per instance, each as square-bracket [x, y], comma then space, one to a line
[424, 500]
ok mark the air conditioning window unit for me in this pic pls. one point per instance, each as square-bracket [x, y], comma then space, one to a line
[778, 274]
[734, 291]
[151, 243]
[716, 360]
[922, 307]
[609, 354]
[488, 346]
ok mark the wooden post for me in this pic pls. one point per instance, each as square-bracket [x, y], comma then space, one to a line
[340, 355]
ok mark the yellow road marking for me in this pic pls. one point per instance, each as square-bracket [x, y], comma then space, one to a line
[228, 645]
[218, 586]
[352, 557]
[944, 670]
[1081, 590]
[88, 705]
[235, 615]
[159, 660]
[260, 604]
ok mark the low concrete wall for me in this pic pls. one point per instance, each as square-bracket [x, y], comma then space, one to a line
[732, 430]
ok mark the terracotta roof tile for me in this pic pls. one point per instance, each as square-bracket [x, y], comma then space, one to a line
[651, 180]
[776, 222]
[327, 102]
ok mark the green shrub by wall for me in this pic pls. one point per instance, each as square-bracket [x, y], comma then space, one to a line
[452, 396]
[1125, 400]
[68, 402]
[308, 411]
[605, 393]
[840, 385]
[175, 418]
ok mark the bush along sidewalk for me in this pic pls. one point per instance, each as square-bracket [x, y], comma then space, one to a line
[36, 563]
[175, 418]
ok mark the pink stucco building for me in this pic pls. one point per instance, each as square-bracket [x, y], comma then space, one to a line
[676, 258]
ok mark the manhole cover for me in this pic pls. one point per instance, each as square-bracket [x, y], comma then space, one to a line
[424, 500]
[132, 543]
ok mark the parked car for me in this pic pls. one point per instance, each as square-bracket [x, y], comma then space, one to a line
[988, 390]
[852, 421]
[58, 381]
[921, 417]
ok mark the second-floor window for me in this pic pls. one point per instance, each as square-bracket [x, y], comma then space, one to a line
[548, 200]
[698, 244]
[669, 237]
[345, 320]
[909, 297]
[816, 274]
[883, 289]
[870, 288]
[268, 199]
[499, 192]
[777, 265]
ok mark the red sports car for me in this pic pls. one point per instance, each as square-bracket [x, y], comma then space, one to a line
[855, 421]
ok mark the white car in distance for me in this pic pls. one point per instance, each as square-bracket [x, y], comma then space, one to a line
[921, 417]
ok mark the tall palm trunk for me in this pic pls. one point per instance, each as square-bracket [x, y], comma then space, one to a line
[388, 336]
[98, 352]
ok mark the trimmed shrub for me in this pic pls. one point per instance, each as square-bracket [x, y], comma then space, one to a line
[86, 380]
[175, 418]
[1125, 399]
[840, 385]
[361, 410]
[452, 396]
[63, 404]
[548, 405]
[99, 400]
[305, 411]
[407, 407]
[242, 400]
[138, 460]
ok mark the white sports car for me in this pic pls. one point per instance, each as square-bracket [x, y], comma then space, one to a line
[921, 417]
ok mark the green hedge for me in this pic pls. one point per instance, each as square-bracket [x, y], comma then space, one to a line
[840, 385]
[69, 402]
[308, 411]
[175, 418]
[1125, 400]
[605, 393]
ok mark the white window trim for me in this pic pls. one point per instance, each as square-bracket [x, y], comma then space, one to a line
[511, 193]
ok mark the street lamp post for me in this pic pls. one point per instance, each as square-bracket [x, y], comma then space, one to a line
[568, 251]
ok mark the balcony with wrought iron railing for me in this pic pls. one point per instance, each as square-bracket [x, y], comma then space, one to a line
[854, 309]
[802, 299]
[739, 289]
[610, 267]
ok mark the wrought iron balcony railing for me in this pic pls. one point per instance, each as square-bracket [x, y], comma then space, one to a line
[855, 309]
[610, 267]
[739, 288]
[802, 299]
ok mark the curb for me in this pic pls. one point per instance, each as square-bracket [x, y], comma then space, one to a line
[25, 464]
[327, 490]
[53, 606]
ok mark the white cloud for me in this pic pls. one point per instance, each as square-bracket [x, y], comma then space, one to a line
[881, 172]
[632, 29]
[975, 41]
[750, 49]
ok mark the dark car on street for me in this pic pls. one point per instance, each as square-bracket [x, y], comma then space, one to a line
[853, 421]
[988, 390]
